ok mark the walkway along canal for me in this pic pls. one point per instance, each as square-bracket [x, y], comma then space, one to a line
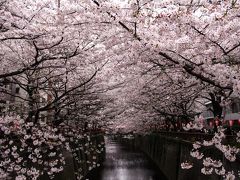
[124, 163]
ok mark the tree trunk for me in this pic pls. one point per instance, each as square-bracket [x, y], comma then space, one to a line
[216, 109]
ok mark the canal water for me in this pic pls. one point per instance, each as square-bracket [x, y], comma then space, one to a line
[124, 163]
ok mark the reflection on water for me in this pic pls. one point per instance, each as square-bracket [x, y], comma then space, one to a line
[122, 163]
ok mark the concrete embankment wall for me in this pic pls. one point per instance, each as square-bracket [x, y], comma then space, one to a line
[82, 159]
[168, 154]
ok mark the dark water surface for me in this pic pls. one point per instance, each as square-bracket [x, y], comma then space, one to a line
[123, 163]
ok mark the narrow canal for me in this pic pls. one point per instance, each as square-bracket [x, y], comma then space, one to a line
[124, 163]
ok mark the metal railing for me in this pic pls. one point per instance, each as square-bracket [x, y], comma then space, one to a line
[192, 135]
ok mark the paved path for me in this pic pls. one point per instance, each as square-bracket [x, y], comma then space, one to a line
[122, 163]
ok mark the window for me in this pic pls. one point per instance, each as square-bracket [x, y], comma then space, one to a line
[235, 107]
[17, 90]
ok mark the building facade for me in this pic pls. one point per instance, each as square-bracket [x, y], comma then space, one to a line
[230, 115]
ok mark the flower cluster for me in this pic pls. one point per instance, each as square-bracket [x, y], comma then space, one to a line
[28, 150]
[228, 151]
[229, 176]
[193, 125]
[207, 143]
[186, 165]
[207, 170]
[208, 162]
[196, 154]
[209, 165]
[238, 137]
[197, 145]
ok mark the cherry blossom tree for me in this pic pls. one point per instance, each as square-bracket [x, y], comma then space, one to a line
[153, 60]
[47, 50]
[197, 38]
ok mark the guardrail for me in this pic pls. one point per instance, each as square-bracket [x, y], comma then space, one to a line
[191, 136]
